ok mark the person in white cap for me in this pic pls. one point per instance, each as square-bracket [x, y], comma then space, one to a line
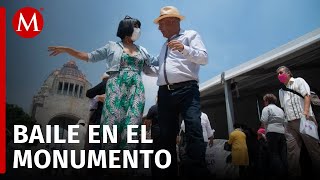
[179, 63]
[97, 94]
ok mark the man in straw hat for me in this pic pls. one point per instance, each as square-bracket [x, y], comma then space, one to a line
[179, 63]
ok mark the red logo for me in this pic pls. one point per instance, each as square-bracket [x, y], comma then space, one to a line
[27, 22]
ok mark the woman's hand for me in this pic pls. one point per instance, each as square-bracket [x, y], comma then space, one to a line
[55, 50]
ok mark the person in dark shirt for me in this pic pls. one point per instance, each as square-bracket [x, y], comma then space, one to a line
[96, 95]
[155, 134]
[153, 115]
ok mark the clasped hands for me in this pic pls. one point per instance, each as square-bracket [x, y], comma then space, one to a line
[175, 45]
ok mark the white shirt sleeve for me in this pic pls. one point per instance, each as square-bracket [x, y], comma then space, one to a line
[196, 51]
[303, 87]
[208, 128]
[281, 95]
[264, 115]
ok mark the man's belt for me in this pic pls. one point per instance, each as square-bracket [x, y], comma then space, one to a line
[174, 86]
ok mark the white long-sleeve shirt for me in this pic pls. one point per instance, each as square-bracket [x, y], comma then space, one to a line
[206, 127]
[185, 65]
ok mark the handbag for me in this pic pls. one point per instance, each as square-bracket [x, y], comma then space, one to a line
[227, 146]
[308, 127]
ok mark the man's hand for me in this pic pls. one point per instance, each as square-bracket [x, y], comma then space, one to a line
[306, 106]
[306, 114]
[175, 45]
[101, 98]
[210, 141]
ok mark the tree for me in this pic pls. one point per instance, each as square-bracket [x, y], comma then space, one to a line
[16, 116]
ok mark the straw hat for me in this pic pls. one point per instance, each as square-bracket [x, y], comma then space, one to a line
[168, 11]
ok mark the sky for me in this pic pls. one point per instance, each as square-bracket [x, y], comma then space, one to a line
[233, 31]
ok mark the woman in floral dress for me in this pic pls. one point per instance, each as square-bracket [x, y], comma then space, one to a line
[124, 102]
[125, 61]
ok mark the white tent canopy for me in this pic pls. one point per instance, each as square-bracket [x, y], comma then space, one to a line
[227, 94]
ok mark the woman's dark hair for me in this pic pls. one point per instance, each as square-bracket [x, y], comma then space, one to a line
[270, 98]
[126, 26]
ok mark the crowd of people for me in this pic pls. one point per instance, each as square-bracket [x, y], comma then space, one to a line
[120, 98]
[280, 139]
[176, 67]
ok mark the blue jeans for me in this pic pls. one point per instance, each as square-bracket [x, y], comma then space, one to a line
[184, 101]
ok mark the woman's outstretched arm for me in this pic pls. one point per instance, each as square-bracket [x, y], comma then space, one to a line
[55, 50]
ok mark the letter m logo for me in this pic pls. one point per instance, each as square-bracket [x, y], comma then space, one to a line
[27, 26]
[27, 22]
